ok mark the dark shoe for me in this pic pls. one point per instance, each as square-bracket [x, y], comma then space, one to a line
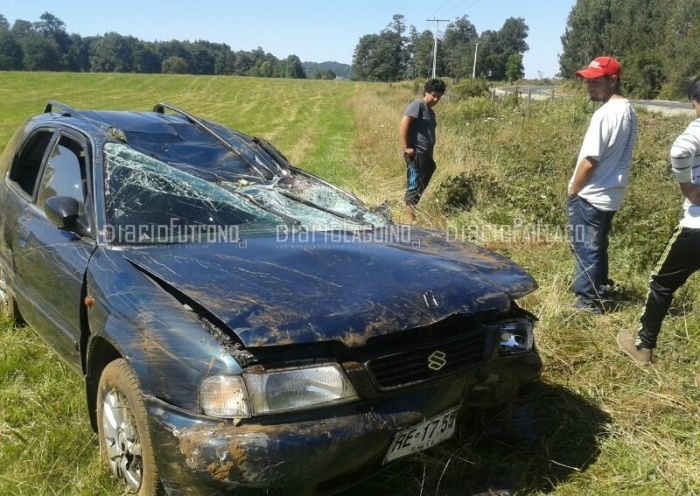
[627, 343]
[608, 290]
[585, 305]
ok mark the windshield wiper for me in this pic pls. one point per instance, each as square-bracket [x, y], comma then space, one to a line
[324, 209]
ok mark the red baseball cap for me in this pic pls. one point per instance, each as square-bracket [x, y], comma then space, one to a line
[601, 66]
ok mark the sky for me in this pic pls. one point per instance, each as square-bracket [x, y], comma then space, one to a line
[313, 30]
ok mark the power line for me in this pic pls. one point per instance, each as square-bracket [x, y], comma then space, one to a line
[459, 5]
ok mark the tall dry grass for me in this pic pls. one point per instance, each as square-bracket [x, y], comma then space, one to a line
[602, 425]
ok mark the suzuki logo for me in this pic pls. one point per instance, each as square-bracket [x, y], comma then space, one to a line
[437, 360]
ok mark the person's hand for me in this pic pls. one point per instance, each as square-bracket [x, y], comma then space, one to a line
[409, 152]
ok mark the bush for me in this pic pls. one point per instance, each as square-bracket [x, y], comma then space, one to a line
[470, 88]
[457, 193]
[469, 110]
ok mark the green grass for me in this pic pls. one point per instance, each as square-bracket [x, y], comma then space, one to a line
[597, 425]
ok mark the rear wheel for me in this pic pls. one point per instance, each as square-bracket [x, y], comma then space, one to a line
[125, 440]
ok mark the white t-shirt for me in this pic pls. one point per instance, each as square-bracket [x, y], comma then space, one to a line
[610, 141]
[687, 146]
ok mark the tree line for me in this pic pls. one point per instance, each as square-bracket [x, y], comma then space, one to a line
[391, 55]
[46, 46]
[655, 41]
[399, 52]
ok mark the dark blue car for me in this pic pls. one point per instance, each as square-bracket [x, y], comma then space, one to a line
[242, 325]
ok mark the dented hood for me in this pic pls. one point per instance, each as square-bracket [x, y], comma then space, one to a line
[336, 286]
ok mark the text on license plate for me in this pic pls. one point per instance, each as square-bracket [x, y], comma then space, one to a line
[422, 436]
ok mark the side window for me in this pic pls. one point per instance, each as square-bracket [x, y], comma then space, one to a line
[64, 174]
[25, 167]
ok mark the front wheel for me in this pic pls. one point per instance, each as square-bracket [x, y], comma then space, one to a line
[125, 440]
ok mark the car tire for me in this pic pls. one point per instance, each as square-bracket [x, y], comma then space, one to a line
[122, 425]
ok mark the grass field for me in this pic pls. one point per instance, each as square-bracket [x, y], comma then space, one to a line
[597, 425]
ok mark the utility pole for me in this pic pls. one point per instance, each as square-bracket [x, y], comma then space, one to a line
[474, 66]
[436, 21]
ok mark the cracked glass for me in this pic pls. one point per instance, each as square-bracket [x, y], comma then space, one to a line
[148, 201]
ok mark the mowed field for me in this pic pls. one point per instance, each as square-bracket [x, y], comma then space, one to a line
[597, 425]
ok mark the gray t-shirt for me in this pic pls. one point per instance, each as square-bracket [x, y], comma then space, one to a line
[421, 134]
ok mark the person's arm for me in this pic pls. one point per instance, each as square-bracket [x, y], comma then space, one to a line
[404, 126]
[583, 174]
[683, 152]
[691, 192]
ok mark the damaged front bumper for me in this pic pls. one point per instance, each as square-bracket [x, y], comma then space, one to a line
[331, 451]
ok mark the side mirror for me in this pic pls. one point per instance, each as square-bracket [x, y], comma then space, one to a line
[63, 211]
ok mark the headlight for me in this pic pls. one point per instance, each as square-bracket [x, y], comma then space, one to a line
[517, 336]
[275, 391]
[298, 389]
[224, 396]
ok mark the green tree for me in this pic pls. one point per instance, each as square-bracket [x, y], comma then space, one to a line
[113, 53]
[376, 58]
[496, 48]
[382, 57]
[175, 65]
[655, 42]
[458, 46]
[420, 60]
[225, 62]
[266, 68]
[514, 68]
[681, 50]
[396, 30]
[293, 68]
[488, 62]
[243, 63]
[147, 60]
[363, 59]
[586, 36]
[10, 50]
[39, 53]
[77, 58]
[53, 30]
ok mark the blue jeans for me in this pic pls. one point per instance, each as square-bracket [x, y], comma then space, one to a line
[589, 229]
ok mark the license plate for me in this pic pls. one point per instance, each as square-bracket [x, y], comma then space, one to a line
[422, 436]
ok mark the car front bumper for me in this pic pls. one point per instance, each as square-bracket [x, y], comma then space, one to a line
[202, 455]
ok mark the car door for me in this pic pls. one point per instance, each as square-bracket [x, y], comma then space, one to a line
[49, 262]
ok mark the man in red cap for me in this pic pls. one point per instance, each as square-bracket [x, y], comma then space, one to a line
[597, 185]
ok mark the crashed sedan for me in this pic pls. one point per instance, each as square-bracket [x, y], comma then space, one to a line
[243, 326]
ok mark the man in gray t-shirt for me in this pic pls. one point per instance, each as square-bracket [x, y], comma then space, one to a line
[417, 138]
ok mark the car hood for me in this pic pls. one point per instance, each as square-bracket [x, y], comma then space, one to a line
[335, 286]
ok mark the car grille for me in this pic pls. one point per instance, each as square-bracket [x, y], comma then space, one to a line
[431, 361]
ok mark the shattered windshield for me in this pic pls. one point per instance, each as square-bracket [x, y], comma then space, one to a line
[148, 201]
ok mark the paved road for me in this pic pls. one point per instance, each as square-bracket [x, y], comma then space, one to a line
[665, 107]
